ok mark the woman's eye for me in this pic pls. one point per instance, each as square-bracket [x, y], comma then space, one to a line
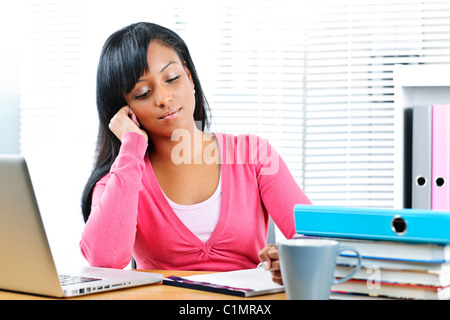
[173, 79]
[143, 95]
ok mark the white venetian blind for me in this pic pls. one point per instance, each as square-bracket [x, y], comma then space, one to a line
[352, 47]
[54, 123]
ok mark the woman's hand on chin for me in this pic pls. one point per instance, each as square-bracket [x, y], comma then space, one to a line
[124, 121]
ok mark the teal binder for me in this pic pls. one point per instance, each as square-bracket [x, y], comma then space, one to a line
[407, 225]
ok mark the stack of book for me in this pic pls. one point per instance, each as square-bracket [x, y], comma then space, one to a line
[396, 270]
[430, 158]
[399, 261]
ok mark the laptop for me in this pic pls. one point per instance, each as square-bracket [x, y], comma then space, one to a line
[26, 261]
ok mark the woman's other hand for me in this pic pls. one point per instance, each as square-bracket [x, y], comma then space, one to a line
[125, 120]
[271, 262]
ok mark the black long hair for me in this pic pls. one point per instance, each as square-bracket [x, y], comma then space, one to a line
[122, 62]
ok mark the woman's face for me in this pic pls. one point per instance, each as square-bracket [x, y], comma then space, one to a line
[163, 98]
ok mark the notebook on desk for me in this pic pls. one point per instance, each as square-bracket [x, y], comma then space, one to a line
[26, 261]
[242, 283]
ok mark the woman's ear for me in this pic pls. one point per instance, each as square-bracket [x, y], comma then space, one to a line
[134, 118]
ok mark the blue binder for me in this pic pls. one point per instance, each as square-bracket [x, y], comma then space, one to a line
[407, 225]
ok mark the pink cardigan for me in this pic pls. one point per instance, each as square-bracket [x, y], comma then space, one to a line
[130, 215]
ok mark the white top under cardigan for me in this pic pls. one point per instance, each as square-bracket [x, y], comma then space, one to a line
[201, 218]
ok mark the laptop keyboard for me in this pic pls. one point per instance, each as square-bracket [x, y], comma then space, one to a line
[68, 279]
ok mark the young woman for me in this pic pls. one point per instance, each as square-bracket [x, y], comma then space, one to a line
[163, 190]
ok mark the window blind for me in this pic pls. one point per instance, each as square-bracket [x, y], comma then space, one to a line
[352, 47]
[52, 132]
[313, 78]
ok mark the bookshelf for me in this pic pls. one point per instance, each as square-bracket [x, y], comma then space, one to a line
[413, 85]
